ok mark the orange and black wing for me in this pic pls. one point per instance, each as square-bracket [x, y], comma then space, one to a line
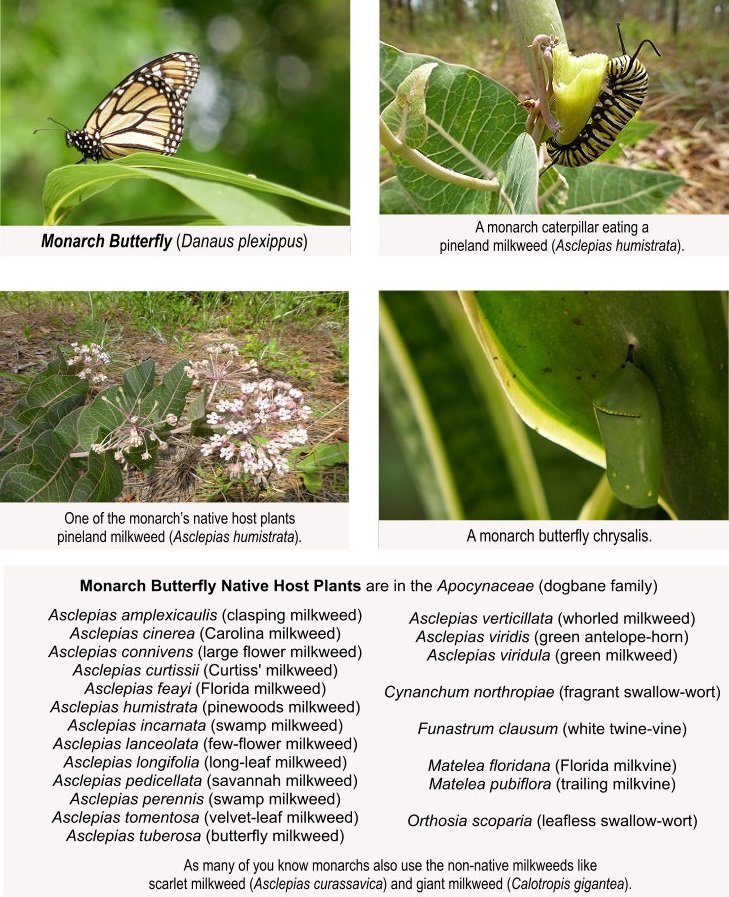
[144, 112]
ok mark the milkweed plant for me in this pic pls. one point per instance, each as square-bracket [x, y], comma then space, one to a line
[461, 142]
[71, 436]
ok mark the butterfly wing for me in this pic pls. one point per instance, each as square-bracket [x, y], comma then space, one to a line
[144, 112]
[179, 71]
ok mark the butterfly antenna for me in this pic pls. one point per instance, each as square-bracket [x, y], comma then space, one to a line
[622, 42]
[52, 129]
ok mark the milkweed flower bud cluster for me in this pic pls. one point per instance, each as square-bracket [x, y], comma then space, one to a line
[90, 361]
[220, 367]
[136, 433]
[254, 438]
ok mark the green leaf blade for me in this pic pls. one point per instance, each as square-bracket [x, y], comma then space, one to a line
[103, 480]
[67, 187]
[138, 380]
[169, 396]
[100, 417]
[599, 189]
[519, 177]
[471, 121]
[50, 477]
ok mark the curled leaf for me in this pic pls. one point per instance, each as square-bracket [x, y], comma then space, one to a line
[405, 116]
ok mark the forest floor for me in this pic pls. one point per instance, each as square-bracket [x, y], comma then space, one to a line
[688, 98]
[311, 353]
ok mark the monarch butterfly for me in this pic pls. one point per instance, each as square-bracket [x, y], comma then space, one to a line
[626, 84]
[143, 112]
[629, 418]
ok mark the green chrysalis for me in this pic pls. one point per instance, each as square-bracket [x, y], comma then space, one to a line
[629, 419]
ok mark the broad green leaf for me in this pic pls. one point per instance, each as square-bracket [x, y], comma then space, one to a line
[227, 204]
[103, 480]
[312, 480]
[197, 410]
[55, 388]
[11, 431]
[49, 398]
[166, 221]
[197, 415]
[519, 178]
[139, 380]
[325, 455]
[67, 428]
[100, 417]
[169, 396]
[555, 351]
[22, 456]
[471, 120]
[395, 199]
[70, 185]
[10, 425]
[599, 189]
[51, 475]
[313, 462]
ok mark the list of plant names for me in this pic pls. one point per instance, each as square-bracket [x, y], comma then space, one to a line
[351, 729]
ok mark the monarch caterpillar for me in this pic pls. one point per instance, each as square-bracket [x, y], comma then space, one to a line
[629, 418]
[626, 84]
[145, 111]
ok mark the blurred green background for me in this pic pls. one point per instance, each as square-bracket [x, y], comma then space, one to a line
[272, 99]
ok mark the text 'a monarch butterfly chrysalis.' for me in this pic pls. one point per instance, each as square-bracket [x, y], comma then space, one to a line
[145, 111]
[623, 92]
[629, 418]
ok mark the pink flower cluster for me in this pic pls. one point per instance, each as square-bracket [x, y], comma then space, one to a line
[253, 441]
[90, 359]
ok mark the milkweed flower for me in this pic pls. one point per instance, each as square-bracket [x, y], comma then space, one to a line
[221, 366]
[253, 439]
[89, 361]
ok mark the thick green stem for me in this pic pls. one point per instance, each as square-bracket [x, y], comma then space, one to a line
[532, 17]
[423, 163]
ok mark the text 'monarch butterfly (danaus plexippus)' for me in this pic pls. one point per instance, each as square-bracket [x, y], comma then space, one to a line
[145, 111]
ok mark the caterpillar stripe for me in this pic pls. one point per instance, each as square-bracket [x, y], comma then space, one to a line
[626, 85]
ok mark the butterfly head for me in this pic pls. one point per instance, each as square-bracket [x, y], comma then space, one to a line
[82, 141]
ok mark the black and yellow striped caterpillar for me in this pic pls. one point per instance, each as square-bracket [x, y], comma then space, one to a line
[626, 84]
